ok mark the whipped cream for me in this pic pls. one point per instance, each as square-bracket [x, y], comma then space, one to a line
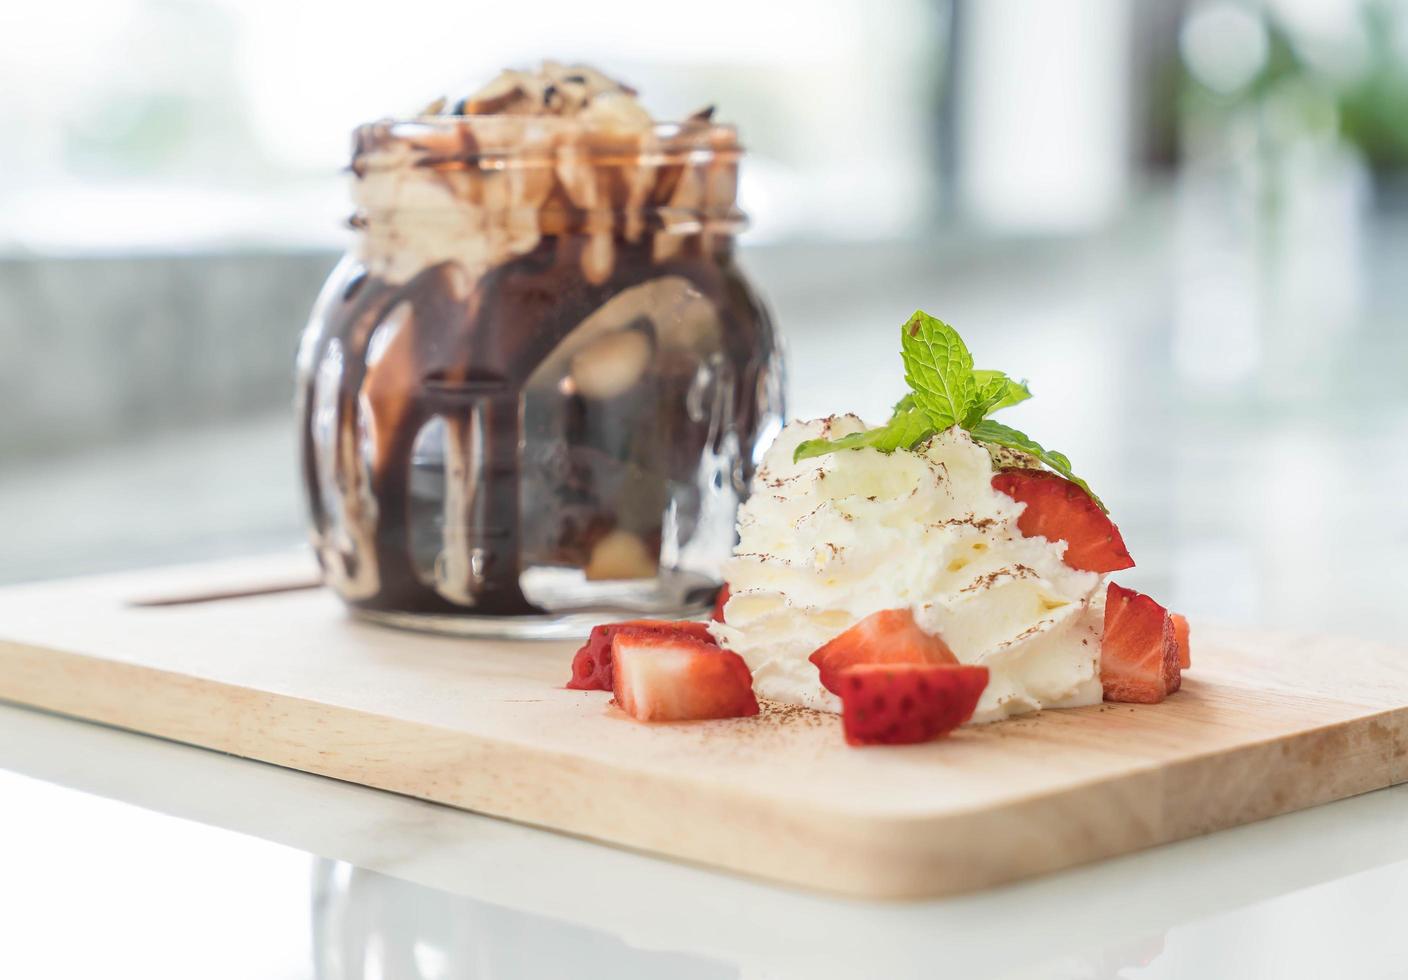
[555, 89]
[561, 151]
[827, 541]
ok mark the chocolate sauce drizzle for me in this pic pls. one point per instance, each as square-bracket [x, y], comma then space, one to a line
[463, 350]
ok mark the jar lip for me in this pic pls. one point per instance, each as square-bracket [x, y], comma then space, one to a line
[440, 122]
[497, 142]
[719, 219]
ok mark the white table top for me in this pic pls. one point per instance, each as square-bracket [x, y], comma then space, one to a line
[1232, 402]
[131, 856]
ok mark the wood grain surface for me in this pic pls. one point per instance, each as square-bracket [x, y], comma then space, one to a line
[1265, 723]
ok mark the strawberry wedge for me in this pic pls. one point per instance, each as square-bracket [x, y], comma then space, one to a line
[890, 636]
[1180, 634]
[899, 704]
[1138, 650]
[719, 602]
[678, 678]
[1059, 510]
[591, 667]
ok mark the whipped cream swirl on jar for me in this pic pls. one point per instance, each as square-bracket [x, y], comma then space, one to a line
[829, 540]
[554, 89]
[480, 180]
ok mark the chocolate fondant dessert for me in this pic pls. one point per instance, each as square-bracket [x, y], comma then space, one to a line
[539, 383]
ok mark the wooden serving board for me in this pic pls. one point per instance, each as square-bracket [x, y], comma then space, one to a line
[1264, 724]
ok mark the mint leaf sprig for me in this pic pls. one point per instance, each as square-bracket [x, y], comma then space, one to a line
[946, 390]
[905, 428]
[938, 369]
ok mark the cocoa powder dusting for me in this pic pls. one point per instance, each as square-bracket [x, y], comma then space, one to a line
[779, 715]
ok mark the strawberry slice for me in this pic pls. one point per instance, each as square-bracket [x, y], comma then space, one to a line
[897, 704]
[679, 678]
[1180, 637]
[1138, 651]
[591, 667]
[890, 636]
[1180, 633]
[719, 604]
[1058, 510]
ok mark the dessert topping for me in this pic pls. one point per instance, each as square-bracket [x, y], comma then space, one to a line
[1180, 634]
[553, 90]
[896, 704]
[678, 678]
[591, 667]
[1058, 510]
[1138, 650]
[890, 636]
[945, 390]
[719, 602]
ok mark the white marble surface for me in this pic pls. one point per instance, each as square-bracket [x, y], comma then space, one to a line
[130, 856]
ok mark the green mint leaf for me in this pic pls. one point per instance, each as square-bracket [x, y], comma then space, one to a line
[998, 434]
[903, 431]
[820, 447]
[945, 391]
[995, 391]
[906, 428]
[939, 369]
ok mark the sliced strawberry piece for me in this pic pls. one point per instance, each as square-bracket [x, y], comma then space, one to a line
[890, 636]
[1175, 682]
[896, 704]
[1059, 510]
[1180, 633]
[719, 604]
[678, 678]
[591, 667]
[1180, 637]
[1138, 651]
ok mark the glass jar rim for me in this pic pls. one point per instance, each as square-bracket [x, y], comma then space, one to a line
[448, 121]
[504, 142]
[719, 219]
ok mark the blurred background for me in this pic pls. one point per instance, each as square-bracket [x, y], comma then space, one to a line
[1185, 222]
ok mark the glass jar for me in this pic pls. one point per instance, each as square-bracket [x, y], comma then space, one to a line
[532, 396]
